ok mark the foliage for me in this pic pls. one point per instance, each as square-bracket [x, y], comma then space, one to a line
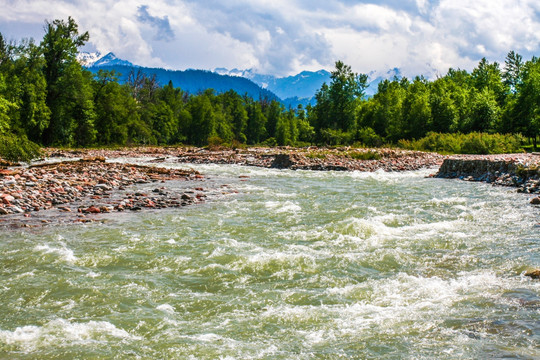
[364, 155]
[472, 143]
[13, 148]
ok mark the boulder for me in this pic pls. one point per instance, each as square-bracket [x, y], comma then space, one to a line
[536, 200]
[283, 161]
[535, 274]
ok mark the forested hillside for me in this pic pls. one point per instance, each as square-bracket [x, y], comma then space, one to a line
[48, 98]
[192, 81]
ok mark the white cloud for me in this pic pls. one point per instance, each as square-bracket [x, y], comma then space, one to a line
[287, 36]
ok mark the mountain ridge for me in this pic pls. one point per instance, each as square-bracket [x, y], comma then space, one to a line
[290, 90]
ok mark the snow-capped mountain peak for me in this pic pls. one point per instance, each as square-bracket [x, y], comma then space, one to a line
[88, 58]
[96, 59]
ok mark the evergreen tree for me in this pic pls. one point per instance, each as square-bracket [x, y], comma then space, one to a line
[60, 46]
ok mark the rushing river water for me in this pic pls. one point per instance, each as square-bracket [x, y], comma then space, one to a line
[297, 265]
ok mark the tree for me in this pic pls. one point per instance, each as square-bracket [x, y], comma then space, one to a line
[489, 76]
[513, 69]
[485, 112]
[115, 109]
[5, 107]
[417, 109]
[444, 115]
[256, 123]
[336, 103]
[60, 46]
[526, 109]
[203, 122]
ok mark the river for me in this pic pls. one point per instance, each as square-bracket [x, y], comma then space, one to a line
[296, 265]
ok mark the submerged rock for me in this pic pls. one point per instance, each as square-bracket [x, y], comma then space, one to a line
[535, 274]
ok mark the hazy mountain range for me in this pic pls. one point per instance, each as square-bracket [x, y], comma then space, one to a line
[290, 90]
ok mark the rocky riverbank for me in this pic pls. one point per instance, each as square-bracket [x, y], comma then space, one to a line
[516, 170]
[90, 186]
[311, 158]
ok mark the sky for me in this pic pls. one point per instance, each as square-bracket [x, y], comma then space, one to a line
[284, 37]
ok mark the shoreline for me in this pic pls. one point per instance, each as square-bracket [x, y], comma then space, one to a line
[88, 182]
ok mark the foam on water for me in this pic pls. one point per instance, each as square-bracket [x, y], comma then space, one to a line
[60, 332]
[62, 252]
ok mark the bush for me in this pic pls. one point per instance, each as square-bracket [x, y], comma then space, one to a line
[335, 137]
[364, 155]
[472, 143]
[13, 148]
[368, 137]
[271, 142]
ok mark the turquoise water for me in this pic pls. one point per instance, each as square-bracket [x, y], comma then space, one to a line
[297, 265]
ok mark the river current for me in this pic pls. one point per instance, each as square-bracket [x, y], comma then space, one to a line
[296, 265]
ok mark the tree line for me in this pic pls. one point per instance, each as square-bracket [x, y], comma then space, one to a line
[48, 98]
[490, 99]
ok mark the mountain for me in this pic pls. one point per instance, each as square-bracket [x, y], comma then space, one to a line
[192, 81]
[301, 88]
[98, 60]
[289, 90]
[294, 90]
[377, 77]
[88, 59]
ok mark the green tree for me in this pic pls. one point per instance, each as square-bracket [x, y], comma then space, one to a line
[526, 109]
[513, 70]
[485, 112]
[417, 109]
[5, 108]
[115, 109]
[336, 103]
[60, 46]
[256, 126]
[444, 115]
[203, 122]
[489, 76]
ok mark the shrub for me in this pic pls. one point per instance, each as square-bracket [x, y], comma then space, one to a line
[215, 142]
[368, 137]
[364, 155]
[336, 137]
[472, 143]
[13, 148]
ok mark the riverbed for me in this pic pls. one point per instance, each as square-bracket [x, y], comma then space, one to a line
[289, 265]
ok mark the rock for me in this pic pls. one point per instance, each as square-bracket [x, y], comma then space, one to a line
[93, 159]
[106, 209]
[536, 201]
[4, 211]
[282, 161]
[103, 187]
[17, 209]
[93, 210]
[535, 274]
[8, 199]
